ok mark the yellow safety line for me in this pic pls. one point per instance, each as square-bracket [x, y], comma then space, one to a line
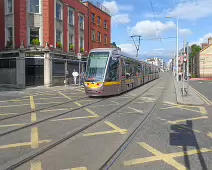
[79, 168]
[73, 118]
[205, 99]
[36, 165]
[183, 120]
[122, 131]
[6, 114]
[91, 112]
[65, 96]
[34, 138]
[10, 125]
[32, 103]
[22, 144]
[14, 105]
[168, 158]
[52, 110]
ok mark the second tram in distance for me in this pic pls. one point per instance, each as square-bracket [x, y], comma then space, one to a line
[111, 71]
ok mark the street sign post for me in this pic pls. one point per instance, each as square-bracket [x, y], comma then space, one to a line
[79, 56]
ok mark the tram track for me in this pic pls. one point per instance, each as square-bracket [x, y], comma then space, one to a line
[38, 152]
[113, 158]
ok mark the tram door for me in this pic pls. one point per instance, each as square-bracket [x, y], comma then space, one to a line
[123, 75]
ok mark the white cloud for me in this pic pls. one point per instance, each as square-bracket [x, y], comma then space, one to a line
[185, 31]
[128, 48]
[192, 10]
[121, 19]
[149, 28]
[203, 39]
[162, 53]
[114, 8]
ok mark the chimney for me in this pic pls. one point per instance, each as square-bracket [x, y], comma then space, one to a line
[209, 41]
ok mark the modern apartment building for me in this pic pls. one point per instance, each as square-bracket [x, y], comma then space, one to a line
[40, 39]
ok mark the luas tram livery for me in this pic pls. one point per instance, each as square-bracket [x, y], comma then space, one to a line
[111, 71]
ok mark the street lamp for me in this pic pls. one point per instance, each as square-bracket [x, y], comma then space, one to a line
[177, 43]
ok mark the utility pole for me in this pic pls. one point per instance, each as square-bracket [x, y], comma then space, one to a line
[177, 50]
[136, 46]
[187, 67]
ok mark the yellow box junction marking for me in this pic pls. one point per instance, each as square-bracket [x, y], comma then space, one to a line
[184, 120]
[22, 144]
[94, 115]
[7, 114]
[168, 158]
[11, 125]
[205, 99]
[52, 110]
[116, 130]
[209, 135]
[36, 165]
[202, 110]
[146, 100]
[79, 168]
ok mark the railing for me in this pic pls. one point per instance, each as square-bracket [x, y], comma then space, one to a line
[100, 6]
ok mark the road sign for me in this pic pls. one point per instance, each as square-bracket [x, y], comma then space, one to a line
[79, 55]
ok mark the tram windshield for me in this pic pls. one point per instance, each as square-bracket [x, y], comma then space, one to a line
[96, 66]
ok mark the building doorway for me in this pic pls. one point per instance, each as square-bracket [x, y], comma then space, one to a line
[34, 72]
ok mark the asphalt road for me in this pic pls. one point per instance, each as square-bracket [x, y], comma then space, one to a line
[169, 136]
[204, 87]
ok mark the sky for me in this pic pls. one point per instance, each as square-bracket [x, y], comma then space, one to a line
[148, 19]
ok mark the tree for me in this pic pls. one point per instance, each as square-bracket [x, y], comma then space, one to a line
[114, 44]
[195, 49]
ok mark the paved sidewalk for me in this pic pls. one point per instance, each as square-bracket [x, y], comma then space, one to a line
[190, 99]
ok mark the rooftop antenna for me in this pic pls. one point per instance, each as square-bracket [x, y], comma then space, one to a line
[136, 46]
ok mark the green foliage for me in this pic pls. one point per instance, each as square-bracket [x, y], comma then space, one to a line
[195, 49]
[35, 41]
[193, 76]
[59, 45]
[71, 46]
[113, 44]
[81, 50]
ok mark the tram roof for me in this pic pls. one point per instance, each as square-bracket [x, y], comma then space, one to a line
[119, 52]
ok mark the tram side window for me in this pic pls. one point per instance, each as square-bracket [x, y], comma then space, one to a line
[129, 71]
[123, 68]
[112, 72]
[4, 63]
[139, 69]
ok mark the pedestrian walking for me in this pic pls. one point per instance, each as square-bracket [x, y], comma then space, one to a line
[82, 75]
[75, 75]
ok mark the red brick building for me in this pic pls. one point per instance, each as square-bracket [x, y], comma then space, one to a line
[41, 38]
[99, 26]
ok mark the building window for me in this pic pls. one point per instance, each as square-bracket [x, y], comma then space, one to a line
[58, 11]
[71, 42]
[9, 37]
[58, 39]
[71, 17]
[105, 24]
[34, 6]
[34, 36]
[93, 35]
[99, 37]
[81, 45]
[81, 22]
[93, 17]
[99, 21]
[58, 36]
[105, 39]
[9, 6]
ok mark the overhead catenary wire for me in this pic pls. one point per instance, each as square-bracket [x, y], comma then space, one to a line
[154, 19]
